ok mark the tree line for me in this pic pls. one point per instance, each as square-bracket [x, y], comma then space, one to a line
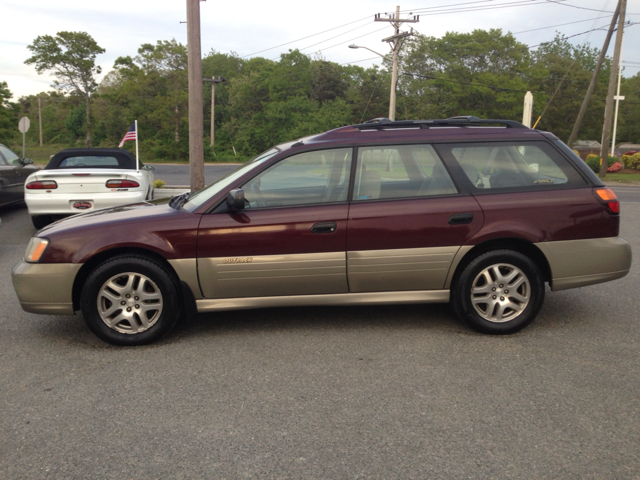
[264, 102]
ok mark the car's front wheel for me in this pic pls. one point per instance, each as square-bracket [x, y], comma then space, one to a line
[499, 292]
[130, 300]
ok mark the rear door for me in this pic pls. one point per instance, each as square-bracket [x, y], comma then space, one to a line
[407, 220]
[291, 237]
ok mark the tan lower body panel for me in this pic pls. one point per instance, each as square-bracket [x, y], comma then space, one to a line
[401, 269]
[376, 298]
[577, 263]
[45, 288]
[187, 270]
[273, 275]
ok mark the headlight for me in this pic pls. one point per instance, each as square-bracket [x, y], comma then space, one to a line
[35, 249]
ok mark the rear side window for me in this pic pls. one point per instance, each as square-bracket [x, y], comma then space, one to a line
[530, 166]
[89, 162]
[400, 171]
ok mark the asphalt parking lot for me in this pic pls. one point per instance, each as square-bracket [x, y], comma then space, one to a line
[344, 392]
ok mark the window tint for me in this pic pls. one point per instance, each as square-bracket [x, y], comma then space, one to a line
[503, 165]
[12, 158]
[307, 178]
[400, 171]
[83, 162]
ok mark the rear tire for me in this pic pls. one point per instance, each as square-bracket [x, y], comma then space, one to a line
[130, 301]
[41, 221]
[499, 292]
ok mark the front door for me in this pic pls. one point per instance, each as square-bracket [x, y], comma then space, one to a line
[291, 237]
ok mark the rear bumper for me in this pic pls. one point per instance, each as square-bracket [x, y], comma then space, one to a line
[45, 288]
[57, 204]
[578, 263]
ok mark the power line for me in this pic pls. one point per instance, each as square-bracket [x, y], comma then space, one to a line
[309, 36]
[557, 2]
[553, 26]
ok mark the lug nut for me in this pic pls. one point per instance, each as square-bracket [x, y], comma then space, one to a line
[128, 309]
[506, 291]
[128, 296]
[493, 289]
[501, 285]
[502, 299]
[123, 303]
[137, 298]
[137, 306]
[494, 297]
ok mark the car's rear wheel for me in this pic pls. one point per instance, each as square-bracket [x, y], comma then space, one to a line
[499, 292]
[130, 300]
[41, 221]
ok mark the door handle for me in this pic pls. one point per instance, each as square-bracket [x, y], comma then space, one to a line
[461, 218]
[324, 227]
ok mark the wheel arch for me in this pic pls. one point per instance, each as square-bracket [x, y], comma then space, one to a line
[517, 244]
[186, 295]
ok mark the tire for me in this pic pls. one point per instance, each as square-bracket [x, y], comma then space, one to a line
[148, 291]
[499, 292]
[41, 221]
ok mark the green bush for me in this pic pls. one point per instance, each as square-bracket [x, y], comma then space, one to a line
[594, 162]
[159, 183]
[633, 161]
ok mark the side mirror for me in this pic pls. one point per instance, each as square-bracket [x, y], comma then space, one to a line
[235, 200]
[27, 161]
[149, 167]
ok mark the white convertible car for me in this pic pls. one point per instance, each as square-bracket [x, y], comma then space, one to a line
[80, 180]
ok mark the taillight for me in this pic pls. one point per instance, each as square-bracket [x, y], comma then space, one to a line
[42, 185]
[122, 184]
[608, 199]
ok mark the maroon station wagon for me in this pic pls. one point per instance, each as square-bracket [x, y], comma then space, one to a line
[479, 213]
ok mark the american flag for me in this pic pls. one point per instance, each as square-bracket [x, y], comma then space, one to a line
[130, 135]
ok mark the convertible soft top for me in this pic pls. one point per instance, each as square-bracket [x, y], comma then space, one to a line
[124, 158]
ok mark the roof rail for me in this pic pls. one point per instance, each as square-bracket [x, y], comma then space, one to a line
[462, 121]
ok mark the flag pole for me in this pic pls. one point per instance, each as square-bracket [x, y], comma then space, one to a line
[137, 161]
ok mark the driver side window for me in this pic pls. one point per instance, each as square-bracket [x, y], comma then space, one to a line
[308, 178]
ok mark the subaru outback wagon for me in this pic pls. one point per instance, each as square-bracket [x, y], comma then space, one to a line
[478, 213]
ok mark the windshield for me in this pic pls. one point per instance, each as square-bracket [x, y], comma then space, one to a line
[201, 196]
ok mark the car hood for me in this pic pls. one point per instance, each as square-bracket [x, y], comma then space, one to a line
[139, 227]
[109, 216]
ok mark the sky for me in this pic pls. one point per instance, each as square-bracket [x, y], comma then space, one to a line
[252, 28]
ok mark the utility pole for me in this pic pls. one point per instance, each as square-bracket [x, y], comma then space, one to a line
[40, 119]
[395, 43]
[213, 81]
[608, 112]
[617, 98]
[194, 65]
[594, 79]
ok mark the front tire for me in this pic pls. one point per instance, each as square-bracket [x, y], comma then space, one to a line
[499, 292]
[130, 301]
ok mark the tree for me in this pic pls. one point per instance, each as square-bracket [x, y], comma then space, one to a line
[8, 116]
[482, 73]
[71, 57]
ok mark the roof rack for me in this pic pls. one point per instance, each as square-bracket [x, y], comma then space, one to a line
[384, 123]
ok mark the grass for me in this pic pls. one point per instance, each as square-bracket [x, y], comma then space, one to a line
[41, 155]
[623, 177]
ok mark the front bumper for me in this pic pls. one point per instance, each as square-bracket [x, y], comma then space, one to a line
[58, 204]
[45, 288]
[578, 263]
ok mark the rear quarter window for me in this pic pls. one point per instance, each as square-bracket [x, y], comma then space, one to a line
[502, 166]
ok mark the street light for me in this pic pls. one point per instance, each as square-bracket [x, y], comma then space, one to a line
[394, 77]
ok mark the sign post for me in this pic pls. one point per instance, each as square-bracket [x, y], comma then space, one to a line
[23, 126]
